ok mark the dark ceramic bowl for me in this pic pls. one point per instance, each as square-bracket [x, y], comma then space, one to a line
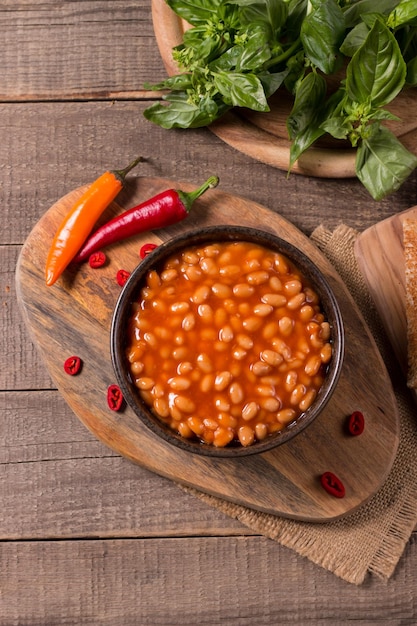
[130, 293]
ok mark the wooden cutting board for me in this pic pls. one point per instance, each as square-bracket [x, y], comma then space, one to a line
[380, 254]
[264, 136]
[74, 316]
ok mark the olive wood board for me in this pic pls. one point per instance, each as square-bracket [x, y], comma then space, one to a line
[264, 136]
[74, 317]
[380, 254]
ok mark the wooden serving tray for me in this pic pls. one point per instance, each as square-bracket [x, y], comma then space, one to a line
[263, 136]
[74, 316]
[380, 254]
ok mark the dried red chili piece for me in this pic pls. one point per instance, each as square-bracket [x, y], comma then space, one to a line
[72, 365]
[114, 397]
[97, 259]
[356, 423]
[122, 276]
[146, 249]
[332, 484]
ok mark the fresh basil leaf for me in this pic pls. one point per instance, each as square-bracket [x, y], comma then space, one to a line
[242, 90]
[297, 10]
[354, 12]
[376, 73]
[272, 81]
[412, 72]
[303, 141]
[308, 104]
[404, 13]
[178, 82]
[228, 60]
[179, 112]
[195, 11]
[354, 39]
[255, 53]
[383, 163]
[322, 33]
[337, 126]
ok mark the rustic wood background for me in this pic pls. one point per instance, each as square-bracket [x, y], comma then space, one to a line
[86, 537]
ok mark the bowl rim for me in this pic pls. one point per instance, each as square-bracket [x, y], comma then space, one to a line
[210, 234]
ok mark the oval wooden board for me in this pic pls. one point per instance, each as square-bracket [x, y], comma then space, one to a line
[74, 316]
[263, 136]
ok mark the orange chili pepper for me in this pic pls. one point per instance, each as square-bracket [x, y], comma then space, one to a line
[78, 224]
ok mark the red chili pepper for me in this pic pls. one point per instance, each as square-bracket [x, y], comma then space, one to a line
[332, 484]
[114, 397]
[146, 249]
[122, 276]
[164, 209]
[79, 222]
[97, 259]
[73, 365]
[356, 423]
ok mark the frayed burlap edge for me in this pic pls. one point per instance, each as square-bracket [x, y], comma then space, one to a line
[373, 538]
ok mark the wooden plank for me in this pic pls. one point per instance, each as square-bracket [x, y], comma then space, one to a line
[75, 50]
[24, 368]
[80, 140]
[57, 480]
[234, 581]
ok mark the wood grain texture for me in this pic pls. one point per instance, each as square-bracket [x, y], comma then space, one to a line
[74, 317]
[216, 580]
[59, 62]
[380, 254]
[264, 136]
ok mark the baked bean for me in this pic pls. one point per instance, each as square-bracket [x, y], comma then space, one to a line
[260, 368]
[257, 278]
[204, 363]
[326, 353]
[243, 290]
[274, 299]
[188, 321]
[285, 325]
[223, 436]
[226, 334]
[296, 302]
[207, 383]
[201, 294]
[221, 290]
[292, 287]
[222, 380]
[179, 383]
[246, 435]
[271, 357]
[136, 367]
[313, 365]
[193, 273]
[169, 275]
[236, 393]
[263, 309]
[205, 312]
[250, 411]
[261, 431]
[161, 407]
[285, 416]
[227, 343]
[308, 400]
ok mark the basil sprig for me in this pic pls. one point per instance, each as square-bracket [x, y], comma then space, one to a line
[238, 53]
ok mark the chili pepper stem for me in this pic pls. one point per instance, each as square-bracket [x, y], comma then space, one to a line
[121, 174]
[189, 197]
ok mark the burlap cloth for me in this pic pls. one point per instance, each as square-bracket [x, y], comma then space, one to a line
[373, 538]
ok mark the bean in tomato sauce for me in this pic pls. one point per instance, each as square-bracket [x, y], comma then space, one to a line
[228, 343]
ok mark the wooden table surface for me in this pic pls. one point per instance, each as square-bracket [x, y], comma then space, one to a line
[87, 537]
